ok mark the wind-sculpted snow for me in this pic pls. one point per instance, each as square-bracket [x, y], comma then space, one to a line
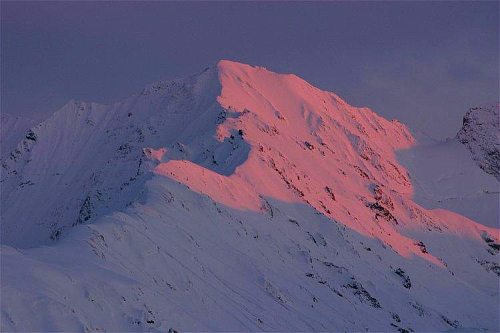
[235, 200]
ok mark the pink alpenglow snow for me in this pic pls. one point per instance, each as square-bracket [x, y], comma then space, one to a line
[239, 199]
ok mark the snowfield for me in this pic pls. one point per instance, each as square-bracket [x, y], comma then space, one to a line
[239, 199]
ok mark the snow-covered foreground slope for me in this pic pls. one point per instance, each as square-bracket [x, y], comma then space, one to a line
[235, 200]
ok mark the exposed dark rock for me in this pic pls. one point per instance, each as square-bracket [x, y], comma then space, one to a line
[405, 277]
[362, 293]
[452, 323]
[86, 211]
[31, 135]
[381, 211]
[309, 145]
[330, 192]
[490, 266]
[422, 247]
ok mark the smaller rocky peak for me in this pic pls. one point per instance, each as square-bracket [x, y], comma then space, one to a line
[480, 133]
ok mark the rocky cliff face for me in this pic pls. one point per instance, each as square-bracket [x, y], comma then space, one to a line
[480, 133]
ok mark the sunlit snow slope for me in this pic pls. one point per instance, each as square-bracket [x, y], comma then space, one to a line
[234, 200]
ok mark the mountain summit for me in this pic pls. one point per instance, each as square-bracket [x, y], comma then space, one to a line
[236, 199]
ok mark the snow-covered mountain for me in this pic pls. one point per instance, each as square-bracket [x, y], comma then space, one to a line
[480, 133]
[237, 199]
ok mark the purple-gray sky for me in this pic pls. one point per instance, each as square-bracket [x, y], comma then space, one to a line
[424, 63]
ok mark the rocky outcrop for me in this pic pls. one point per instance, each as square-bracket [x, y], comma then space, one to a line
[480, 134]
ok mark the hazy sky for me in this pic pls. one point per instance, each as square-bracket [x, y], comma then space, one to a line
[424, 63]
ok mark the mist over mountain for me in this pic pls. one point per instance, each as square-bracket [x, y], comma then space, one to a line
[238, 199]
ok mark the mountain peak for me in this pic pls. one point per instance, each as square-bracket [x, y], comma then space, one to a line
[226, 66]
[249, 72]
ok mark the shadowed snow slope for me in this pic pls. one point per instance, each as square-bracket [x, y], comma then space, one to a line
[12, 130]
[238, 200]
